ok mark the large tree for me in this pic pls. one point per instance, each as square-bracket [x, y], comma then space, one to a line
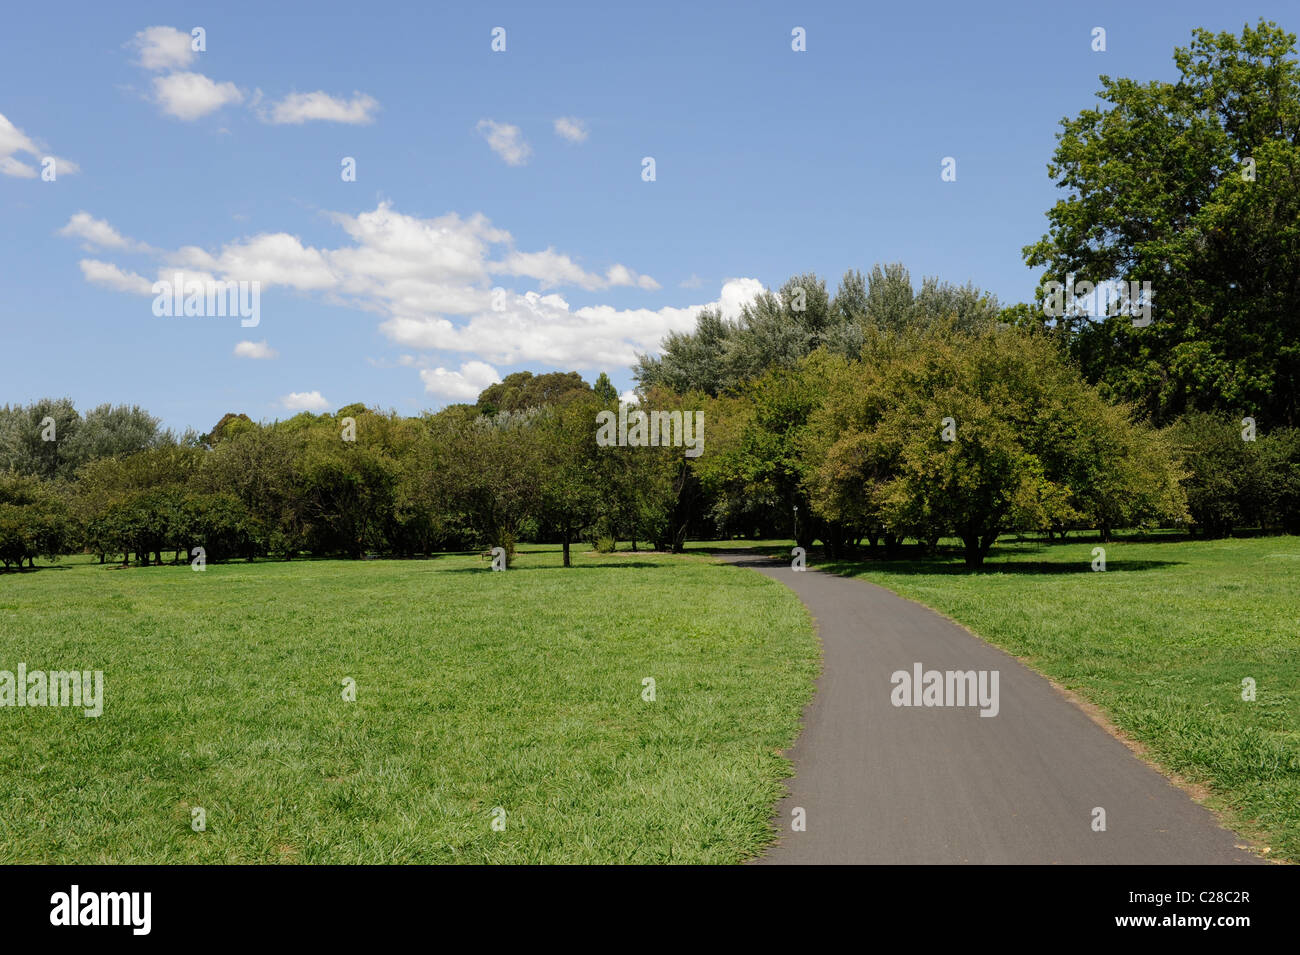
[971, 436]
[1193, 186]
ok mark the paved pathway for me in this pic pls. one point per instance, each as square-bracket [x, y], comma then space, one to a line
[886, 784]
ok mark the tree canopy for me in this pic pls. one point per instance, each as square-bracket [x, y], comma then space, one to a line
[1194, 186]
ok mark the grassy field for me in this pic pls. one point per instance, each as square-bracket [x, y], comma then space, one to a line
[474, 690]
[1161, 641]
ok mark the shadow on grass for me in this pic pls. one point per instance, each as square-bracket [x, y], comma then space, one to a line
[33, 570]
[939, 565]
[958, 568]
[612, 565]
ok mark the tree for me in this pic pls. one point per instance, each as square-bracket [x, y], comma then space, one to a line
[1225, 481]
[34, 438]
[108, 431]
[345, 489]
[490, 470]
[524, 390]
[261, 466]
[570, 468]
[1193, 186]
[34, 520]
[604, 390]
[974, 435]
[230, 426]
[756, 467]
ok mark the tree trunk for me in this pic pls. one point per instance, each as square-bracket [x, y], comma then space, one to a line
[567, 533]
[892, 544]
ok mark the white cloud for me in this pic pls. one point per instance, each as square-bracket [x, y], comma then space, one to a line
[162, 48]
[552, 268]
[189, 96]
[506, 141]
[622, 275]
[255, 350]
[13, 140]
[10, 166]
[693, 282]
[571, 128]
[97, 232]
[440, 284]
[182, 278]
[735, 294]
[110, 276]
[272, 259]
[463, 385]
[544, 329]
[305, 401]
[302, 107]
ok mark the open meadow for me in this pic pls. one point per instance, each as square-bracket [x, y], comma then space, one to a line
[474, 691]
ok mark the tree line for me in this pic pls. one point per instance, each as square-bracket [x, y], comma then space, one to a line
[932, 425]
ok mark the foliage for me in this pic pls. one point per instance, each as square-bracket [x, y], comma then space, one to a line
[1194, 186]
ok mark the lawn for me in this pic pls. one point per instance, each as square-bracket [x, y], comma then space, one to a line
[474, 690]
[1161, 641]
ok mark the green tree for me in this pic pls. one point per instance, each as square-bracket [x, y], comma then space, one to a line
[34, 520]
[490, 471]
[569, 467]
[523, 390]
[1194, 186]
[109, 431]
[604, 390]
[34, 438]
[1226, 482]
[974, 435]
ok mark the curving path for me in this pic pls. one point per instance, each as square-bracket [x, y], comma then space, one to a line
[886, 784]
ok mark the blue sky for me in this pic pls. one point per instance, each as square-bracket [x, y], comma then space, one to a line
[226, 164]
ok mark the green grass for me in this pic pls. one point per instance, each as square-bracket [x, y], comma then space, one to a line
[1161, 641]
[523, 690]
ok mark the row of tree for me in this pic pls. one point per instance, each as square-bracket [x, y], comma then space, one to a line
[356, 482]
[930, 428]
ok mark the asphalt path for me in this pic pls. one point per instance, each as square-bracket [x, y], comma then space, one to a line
[885, 783]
